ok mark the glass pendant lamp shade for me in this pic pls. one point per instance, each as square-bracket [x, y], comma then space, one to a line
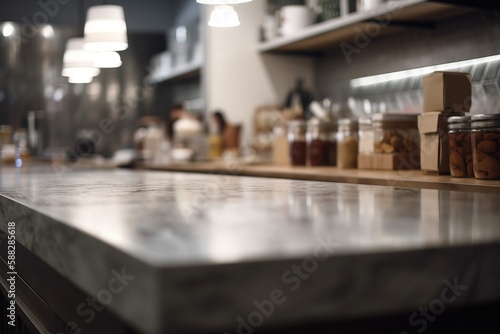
[79, 64]
[221, 2]
[105, 29]
[224, 16]
[80, 79]
[108, 59]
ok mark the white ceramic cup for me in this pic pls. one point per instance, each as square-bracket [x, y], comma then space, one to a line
[294, 18]
[369, 4]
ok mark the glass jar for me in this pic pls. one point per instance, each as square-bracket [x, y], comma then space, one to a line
[321, 144]
[396, 133]
[297, 142]
[459, 136]
[347, 144]
[486, 146]
[330, 9]
[366, 136]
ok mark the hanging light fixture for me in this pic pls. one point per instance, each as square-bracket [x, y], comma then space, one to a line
[108, 59]
[224, 16]
[105, 29]
[80, 79]
[78, 64]
[221, 2]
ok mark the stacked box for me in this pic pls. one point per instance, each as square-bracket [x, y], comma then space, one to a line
[446, 94]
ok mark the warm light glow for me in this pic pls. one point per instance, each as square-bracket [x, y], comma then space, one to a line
[8, 29]
[221, 2]
[78, 64]
[224, 17]
[109, 59]
[376, 79]
[80, 71]
[48, 32]
[105, 29]
[80, 79]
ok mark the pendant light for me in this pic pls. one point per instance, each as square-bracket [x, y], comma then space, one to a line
[222, 2]
[224, 16]
[108, 59]
[105, 29]
[78, 64]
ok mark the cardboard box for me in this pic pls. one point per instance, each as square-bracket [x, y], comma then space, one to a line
[281, 151]
[434, 146]
[447, 91]
[398, 161]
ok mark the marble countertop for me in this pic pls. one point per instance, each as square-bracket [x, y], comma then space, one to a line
[203, 248]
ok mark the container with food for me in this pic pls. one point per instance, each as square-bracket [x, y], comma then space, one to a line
[321, 143]
[366, 136]
[347, 144]
[486, 146]
[459, 137]
[396, 133]
[297, 142]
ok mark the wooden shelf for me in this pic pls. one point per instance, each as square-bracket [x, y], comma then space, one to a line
[401, 179]
[185, 72]
[401, 16]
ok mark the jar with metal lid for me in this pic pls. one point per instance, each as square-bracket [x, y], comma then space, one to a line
[459, 137]
[396, 133]
[297, 142]
[321, 144]
[347, 144]
[486, 146]
[366, 136]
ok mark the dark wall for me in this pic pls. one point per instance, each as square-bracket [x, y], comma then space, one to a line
[466, 37]
[141, 15]
[106, 109]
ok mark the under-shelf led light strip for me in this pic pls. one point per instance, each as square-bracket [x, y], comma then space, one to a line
[387, 77]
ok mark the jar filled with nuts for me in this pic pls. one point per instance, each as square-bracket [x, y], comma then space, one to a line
[297, 142]
[486, 146]
[347, 144]
[459, 136]
[366, 136]
[396, 133]
[321, 145]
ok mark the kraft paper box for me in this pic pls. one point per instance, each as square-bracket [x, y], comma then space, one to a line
[447, 91]
[398, 161]
[281, 151]
[434, 146]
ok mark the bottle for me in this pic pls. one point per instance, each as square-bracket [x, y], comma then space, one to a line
[215, 147]
[21, 144]
[347, 144]
[321, 146]
[459, 137]
[297, 142]
[486, 146]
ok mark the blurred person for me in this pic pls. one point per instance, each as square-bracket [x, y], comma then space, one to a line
[176, 113]
[216, 128]
[219, 119]
[299, 99]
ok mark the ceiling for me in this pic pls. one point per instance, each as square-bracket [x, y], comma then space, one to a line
[141, 15]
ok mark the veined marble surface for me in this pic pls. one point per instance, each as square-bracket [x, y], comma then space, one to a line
[190, 238]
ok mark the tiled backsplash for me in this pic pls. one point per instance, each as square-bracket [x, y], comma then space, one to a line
[466, 37]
